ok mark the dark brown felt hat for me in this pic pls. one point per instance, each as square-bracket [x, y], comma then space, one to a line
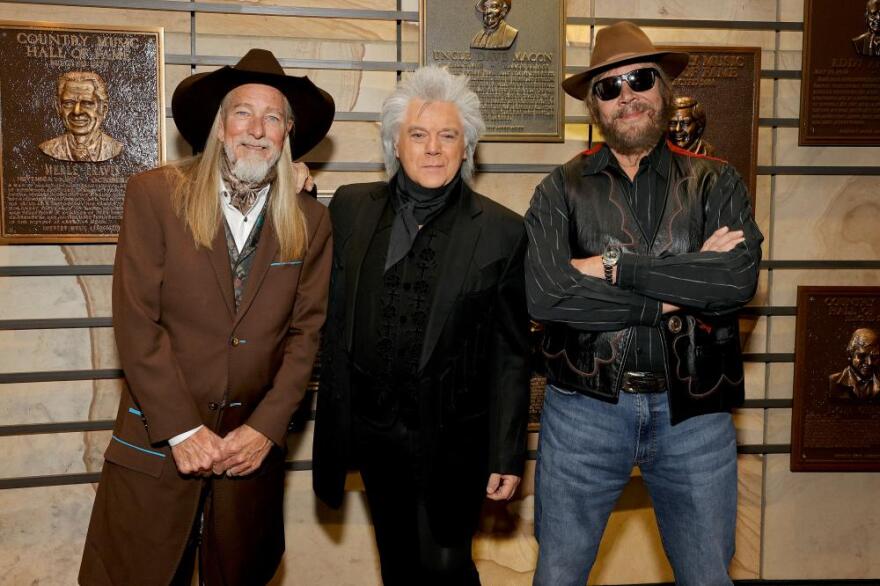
[619, 44]
[197, 98]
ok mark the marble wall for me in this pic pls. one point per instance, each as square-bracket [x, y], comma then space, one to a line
[790, 526]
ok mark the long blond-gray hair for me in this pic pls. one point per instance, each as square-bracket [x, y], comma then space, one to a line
[195, 198]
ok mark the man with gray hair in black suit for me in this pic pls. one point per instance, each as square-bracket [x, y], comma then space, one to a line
[424, 378]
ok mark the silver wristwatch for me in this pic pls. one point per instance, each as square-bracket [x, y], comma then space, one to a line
[610, 258]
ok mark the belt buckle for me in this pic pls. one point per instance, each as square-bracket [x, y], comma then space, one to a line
[642, 382]
[629, 382]
[626, 388]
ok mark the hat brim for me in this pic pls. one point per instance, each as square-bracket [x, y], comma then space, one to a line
[673, 63]
[196, 100]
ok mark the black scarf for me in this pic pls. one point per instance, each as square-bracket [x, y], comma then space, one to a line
[414, 206]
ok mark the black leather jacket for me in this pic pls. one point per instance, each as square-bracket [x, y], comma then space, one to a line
[589, 324]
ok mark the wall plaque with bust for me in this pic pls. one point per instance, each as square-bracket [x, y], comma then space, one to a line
[716, 106]
[81, 110]
[836, 410]
[513, 53]
[841, 73]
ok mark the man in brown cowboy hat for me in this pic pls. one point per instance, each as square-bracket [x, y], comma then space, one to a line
[640, 253]
[219, 292]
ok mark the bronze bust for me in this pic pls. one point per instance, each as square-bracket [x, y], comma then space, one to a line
[495, 34]
[868, 44]
[82, 103]
[687, 125]
[859, 379]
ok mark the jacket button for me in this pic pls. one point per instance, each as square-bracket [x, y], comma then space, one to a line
[674, 324]
[213, 406]
[235, 341]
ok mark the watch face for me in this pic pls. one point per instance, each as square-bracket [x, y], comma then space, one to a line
[611, 255]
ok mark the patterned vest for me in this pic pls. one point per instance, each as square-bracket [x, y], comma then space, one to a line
[241, 260]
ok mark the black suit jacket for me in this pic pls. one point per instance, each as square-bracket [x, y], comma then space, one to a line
[474, 378]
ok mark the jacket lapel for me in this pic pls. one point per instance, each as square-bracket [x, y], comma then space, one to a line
[267, 250]
[463, 240]
[368, 214]
[219, 258]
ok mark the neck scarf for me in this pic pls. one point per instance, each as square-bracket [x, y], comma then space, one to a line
[242, 194]
[414, 206]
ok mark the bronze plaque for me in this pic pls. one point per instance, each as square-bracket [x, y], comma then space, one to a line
[840, 83]
[717, 106]
[513, 53]
[836, 417]
[81, 110]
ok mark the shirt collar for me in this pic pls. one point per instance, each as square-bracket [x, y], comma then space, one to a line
[226, 204]
[600, 158]
[224, 193]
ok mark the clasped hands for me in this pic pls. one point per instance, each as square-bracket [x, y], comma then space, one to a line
[205, 453]
[722, 240]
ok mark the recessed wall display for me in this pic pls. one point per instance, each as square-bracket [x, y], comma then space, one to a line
[716, 106]
[513, 53]
[841, 73]
[836, 416]
[81, 110]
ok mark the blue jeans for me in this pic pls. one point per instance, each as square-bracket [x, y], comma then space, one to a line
[586, 453]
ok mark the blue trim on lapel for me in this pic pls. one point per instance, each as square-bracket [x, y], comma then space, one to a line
[138, 448]
[134, 411]
[286, 262]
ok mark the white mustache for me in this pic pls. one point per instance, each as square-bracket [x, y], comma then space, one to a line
[261, 142]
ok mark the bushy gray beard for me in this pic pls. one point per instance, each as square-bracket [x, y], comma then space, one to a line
[251, 170]
[635, 141]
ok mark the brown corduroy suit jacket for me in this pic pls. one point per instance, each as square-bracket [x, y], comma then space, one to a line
[190, 359]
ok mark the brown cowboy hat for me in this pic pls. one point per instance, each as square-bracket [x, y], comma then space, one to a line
[197, 99]
[619, 44]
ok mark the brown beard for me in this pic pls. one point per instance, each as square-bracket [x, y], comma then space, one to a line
[635, 141]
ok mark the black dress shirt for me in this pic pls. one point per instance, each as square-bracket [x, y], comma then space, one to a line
[646, 194]
[391, 316]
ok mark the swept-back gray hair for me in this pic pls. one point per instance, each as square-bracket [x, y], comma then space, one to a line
[432, 84]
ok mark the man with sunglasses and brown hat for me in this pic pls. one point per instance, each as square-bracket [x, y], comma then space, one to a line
[219, 293]
[640, 254]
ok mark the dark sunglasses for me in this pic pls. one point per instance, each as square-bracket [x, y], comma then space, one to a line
[639, 80]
